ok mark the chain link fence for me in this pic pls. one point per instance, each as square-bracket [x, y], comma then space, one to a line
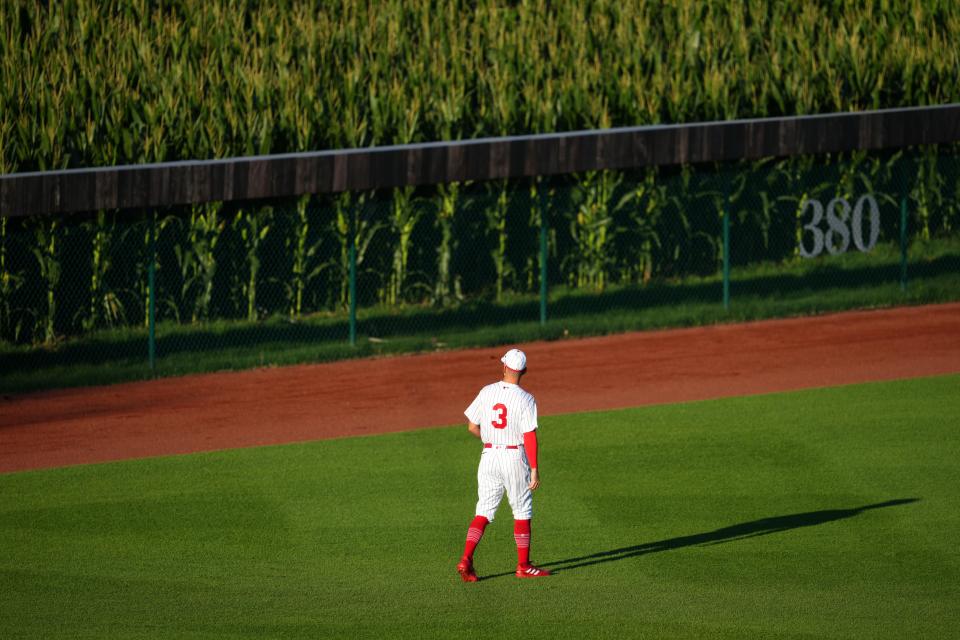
[116, 295]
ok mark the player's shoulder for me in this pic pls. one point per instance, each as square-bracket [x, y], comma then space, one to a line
[525, 395]
[493, 387]
[501, 387]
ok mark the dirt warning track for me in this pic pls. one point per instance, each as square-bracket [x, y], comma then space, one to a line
[378, 395]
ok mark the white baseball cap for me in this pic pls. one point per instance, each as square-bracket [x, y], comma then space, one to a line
[515, 359]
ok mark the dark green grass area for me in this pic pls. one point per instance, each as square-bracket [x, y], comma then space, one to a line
[849, 281]
[827, 513]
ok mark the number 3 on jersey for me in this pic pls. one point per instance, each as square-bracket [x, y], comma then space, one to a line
[501, 421]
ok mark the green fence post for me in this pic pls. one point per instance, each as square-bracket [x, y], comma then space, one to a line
[541, 191]
[726, 257]
[353, 277]
[152, 295]
[903, 243]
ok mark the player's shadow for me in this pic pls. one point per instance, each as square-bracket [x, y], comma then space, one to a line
[752, 529]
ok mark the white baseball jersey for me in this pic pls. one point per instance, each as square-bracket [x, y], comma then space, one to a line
[504, 412]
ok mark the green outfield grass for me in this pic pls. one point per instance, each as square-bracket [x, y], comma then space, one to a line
[826, 513]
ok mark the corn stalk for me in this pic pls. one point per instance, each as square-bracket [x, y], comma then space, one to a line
[951, 211]
[496, 216]
[9, 284]
[591, 227]
[351, 227]
[252, 226]
[104, 306]
[151, 224]
[449, 199]
[197, 260]
[48, 234]
[644, 203]
[301, 253]
[928, 190]
[404, 216]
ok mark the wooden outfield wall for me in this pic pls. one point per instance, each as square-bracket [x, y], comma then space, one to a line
[295, 174]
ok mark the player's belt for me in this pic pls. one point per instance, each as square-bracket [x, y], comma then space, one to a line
[500, 446]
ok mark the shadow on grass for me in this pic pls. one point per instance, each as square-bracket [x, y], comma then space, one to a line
[479, 315]
[742, 531]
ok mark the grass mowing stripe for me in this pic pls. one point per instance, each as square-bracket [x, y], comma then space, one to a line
[822, 513]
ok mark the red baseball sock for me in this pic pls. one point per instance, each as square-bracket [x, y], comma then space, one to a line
[474, 533]
[521, 533]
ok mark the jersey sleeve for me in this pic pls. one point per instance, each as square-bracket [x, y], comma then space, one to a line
[530, 420]
[474, 411]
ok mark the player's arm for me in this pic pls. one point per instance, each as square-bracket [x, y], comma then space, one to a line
[474, 416]
[530, 447]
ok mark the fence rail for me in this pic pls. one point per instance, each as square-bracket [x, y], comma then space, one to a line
[291, 175]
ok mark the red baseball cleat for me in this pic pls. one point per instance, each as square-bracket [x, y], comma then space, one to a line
[465, 569]
[530, 571]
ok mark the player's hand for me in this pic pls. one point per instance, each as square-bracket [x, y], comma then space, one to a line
[534, 479]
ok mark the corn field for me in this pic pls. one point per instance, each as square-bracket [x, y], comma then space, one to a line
[85, 83]
[91, 83]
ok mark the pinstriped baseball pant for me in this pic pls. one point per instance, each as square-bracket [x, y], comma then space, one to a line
[504, 470]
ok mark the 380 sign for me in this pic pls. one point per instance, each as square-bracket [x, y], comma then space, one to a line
[836, 238]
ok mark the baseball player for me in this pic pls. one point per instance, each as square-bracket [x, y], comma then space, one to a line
[504, 417]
